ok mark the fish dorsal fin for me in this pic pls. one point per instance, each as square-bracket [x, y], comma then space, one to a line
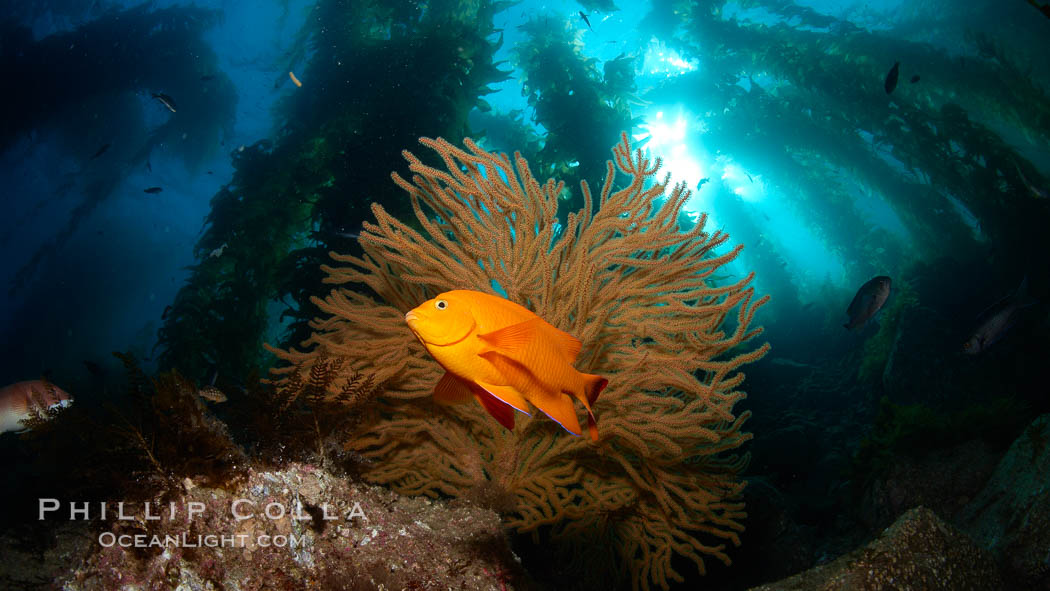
[515, 337]
[508, 395]
[566, 343]
[452, 390]
[503, 413]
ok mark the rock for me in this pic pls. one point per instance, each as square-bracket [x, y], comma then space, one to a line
[1011, 514]
[945, 480]
[919, 551]
[299, 528]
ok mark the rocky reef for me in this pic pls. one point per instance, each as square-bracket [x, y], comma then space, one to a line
[995, 540]
[919, 551]
[295, 528]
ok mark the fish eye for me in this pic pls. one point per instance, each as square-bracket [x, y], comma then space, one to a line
[441, 304]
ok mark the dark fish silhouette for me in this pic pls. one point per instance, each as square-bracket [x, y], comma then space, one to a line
[164, 314]
[891, 78]
[997, 319]
[153, 190]
[207, 77]
[149, 166]
[869, 300]
[165, 100]
[94, 368]
[100, 151]
[1044, 8]
[914, 79]
[586, 20]
[701, 183]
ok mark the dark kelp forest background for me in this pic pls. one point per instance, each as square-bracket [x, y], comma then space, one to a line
[936, 185]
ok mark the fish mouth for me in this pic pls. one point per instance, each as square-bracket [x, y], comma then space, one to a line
[411, 318]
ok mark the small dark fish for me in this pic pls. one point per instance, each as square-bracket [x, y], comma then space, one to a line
[165, 100]
[212, 394]
[915, 79]
[149, 166]
[869, 300]
[586, 20]
[100, 151]
[702, 182]
[164, 314]
[207, 77]
[749, 177]
[997, 319]
[153, 190]
[891, 78]
[93, 368]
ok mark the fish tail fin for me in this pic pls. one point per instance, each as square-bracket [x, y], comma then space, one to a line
[592, 388]
[1022, 297]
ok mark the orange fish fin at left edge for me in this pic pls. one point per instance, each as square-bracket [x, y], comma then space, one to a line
[509, 395]
[452, 390]
[503, 413]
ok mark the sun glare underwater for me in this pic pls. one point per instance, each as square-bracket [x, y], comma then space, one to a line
[332, 294]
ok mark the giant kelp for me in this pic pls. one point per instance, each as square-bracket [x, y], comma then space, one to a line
[661, 482]
[286, 206]
[798, 97]
[583, 109]
[88, 86]
[220, 314]
[919, 148]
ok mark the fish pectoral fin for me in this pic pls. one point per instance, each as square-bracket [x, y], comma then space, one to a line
[509, 395]
[560, 409]
[503, 413]
[452, 390]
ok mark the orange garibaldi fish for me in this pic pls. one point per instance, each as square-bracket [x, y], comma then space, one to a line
[502, 355]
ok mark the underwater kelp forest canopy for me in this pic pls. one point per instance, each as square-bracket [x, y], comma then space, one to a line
[90, 109]
[287, 205]
[234, 195]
